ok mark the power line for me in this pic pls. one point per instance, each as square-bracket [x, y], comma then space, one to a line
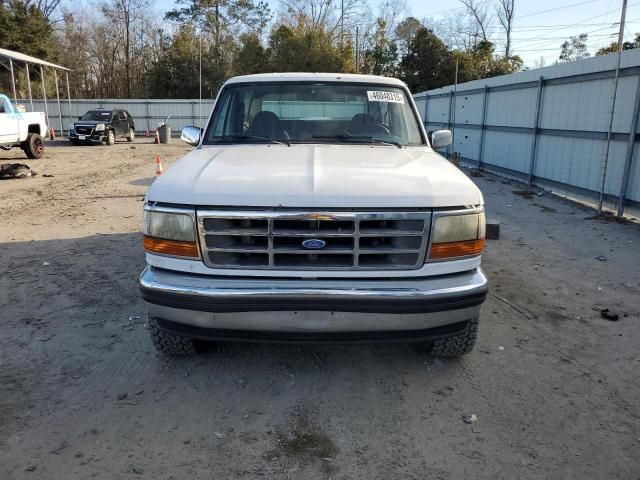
[557, 8]
[544, 42]
[529, 39]
[542, 28]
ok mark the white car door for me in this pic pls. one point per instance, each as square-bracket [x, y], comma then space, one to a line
[8, 122]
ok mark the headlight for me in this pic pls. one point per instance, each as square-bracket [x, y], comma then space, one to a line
[170, 233]
[457, 236]
[100, 127]
[71, 127]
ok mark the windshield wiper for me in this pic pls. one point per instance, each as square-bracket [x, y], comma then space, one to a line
[257, 137]
[348, 136]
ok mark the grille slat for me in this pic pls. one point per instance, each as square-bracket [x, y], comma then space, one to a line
[83, 130]
[353, 240]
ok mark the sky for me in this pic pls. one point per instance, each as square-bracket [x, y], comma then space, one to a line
[540, 26]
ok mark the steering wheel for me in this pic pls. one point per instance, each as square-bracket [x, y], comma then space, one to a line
[384, 127]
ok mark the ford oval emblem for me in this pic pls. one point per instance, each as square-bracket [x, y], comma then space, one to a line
[314, 244]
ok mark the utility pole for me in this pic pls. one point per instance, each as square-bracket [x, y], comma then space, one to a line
[357, 49]
[613, 105]
[200, 81]
[453, 124]
[341, 23]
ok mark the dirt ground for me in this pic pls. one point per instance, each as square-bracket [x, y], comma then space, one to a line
[554, 386]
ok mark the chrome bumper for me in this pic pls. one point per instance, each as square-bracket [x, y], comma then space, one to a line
[329, 305]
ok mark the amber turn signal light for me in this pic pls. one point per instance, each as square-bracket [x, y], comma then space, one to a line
[170, 247]
[456, 249]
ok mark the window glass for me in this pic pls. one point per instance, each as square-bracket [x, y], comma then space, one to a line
[97, 116]
[313, 113]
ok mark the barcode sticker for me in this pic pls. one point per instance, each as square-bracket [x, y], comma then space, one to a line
[379, 96]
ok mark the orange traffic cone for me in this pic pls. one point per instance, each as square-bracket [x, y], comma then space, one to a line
[52, 134]
[157, 139]
[158, 165]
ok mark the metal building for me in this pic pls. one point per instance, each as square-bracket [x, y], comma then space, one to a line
[549, 126]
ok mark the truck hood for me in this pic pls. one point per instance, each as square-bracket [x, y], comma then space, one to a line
[336, 176]
[92, 122]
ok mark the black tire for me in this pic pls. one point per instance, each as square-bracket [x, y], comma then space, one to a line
[456, 345]
[33, 146]
[171, 344]
[111, 137]
[131, 135]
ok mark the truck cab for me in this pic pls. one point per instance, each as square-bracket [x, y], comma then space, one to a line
[21, 129]
[314, 208]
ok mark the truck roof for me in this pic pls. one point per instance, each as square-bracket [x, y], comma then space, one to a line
[317, 77]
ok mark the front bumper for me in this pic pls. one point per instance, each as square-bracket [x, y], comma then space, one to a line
[93, 137]
[331, 305]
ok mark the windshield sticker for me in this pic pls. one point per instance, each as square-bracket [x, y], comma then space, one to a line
[391, 97]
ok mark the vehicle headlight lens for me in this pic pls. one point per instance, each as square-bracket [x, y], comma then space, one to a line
[457, 236]
[71, 127]
[100, 127]
[169, 233]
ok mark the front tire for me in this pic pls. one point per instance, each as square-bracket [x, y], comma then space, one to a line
[33, 146]
[111, 137]
[131, 136]
[170, 344]
[456, 345]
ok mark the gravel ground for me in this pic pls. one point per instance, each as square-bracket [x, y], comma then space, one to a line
[554, 386]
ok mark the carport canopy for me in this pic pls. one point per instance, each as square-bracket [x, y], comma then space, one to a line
[21, 57]
[17, 57]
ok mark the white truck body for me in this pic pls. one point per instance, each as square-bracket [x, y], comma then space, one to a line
[372, 235]
[16, 127]
[316, 176]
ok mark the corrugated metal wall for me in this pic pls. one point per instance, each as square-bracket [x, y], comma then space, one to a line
[146, 113]
[494, 124]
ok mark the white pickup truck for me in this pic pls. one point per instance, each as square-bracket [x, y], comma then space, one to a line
[314, 208]
[24, 130]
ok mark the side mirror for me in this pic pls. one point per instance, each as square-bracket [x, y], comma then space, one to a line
[440, 139]
[191, 135]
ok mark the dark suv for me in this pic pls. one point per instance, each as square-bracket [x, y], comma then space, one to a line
[102, 125]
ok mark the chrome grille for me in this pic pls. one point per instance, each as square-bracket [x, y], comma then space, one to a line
[353, 240]
[83, 130]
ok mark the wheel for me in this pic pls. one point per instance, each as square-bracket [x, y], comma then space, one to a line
[456, 345]
[171, 344]
[33, 146]
[111, 137]
[131, 136]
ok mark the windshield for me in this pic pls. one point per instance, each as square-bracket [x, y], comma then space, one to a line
[97, 115]
[313, 113]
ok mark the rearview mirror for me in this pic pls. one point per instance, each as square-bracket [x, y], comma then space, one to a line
[440, 139]
[191, 135]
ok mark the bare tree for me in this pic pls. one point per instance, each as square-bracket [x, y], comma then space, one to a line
[505, 11]
[338, 17]
[126, 15]
[391, 12]
[477, 9]
[47, 7]
[459, 32]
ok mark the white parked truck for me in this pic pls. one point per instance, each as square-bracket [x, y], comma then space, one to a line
[20, 129]
[314, 208]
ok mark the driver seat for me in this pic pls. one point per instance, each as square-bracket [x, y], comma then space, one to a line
[266, 124]
[363, 124]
